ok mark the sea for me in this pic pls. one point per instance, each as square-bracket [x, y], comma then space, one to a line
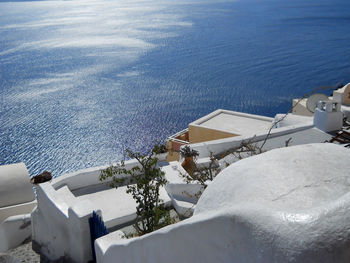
[82, 80]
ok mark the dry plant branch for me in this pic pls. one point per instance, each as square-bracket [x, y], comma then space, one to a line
[291, 109]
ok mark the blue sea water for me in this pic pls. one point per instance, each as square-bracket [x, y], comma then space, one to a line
[82, 80]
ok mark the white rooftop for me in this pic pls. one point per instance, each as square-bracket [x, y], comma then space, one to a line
[285, 205]
[310, 135]
[234, 122]
[296, 179]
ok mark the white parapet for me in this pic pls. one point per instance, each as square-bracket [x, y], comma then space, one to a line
[15, 187]
[60, 222]
[206, 149]
[17, 200]
[14, 230]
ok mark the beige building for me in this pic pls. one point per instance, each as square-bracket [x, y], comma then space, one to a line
[217, 125]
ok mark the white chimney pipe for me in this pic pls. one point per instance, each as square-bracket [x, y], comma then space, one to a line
[328, 116]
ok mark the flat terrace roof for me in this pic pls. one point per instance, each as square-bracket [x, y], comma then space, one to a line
[234, 122]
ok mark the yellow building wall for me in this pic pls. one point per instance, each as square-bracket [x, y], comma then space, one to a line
[173, 156]
[173, 152]
[201, 134]
[196, 134]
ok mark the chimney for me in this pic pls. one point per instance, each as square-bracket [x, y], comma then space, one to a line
[328, 116]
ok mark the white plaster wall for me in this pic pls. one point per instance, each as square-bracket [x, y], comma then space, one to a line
[15, 187]
[61, 230]
[17, 200]
[60, 222]
[205, 149]
[14, 230]
[183, 195]
[338, 96]
[85, 177]
[184, 192]
[79, 240]
[182, 242]
[243, 236]
[286, 205]
[49, 223]
[283, 120]
[25, 208]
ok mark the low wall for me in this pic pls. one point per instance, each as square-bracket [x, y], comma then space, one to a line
[86, 177]
[192, 240]
[205, 149]
[202, 238]
[60, 223]
[60, 230]
[25, 208]
[14, 230]
[17, 201]
[15, 187]
[49, 220]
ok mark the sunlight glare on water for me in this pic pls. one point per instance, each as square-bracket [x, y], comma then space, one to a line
[82, 80]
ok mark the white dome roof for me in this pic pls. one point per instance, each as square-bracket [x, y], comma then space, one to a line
[294, 179]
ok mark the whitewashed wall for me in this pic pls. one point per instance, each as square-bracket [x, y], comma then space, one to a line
[205, 149]
[17, 200]
[60, 223]
[285, 205]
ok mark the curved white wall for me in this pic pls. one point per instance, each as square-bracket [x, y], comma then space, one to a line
[14, 230]
[15, 187]
[17, 200]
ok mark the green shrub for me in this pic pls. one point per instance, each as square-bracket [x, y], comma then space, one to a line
[143, 183]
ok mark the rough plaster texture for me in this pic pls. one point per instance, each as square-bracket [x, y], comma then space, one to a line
[292, 202]
[286, 205]
[14, 230]
[60, 222]
[15, 187]
[283, 120]
[17, 200]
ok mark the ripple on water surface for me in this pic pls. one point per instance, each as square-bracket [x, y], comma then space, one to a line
[80, 81]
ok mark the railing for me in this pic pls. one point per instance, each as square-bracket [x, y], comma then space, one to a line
[97, 229]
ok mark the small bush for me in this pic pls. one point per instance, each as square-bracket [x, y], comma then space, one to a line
[186, 151]
[144, 182]
[159, 148]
